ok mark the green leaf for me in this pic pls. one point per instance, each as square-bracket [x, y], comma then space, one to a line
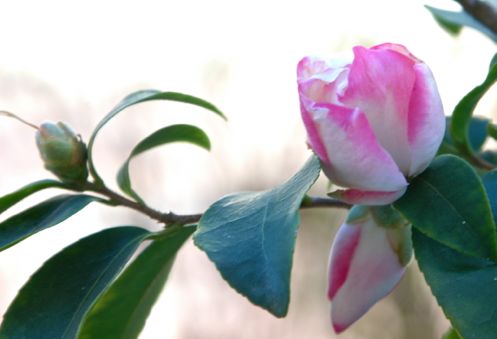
[54, 301]
[9, 200]
[139, 97]
[39, 217]
[489, 156]
[451, 334]
[478, 132]
[448, 203]
[174, 133]
[443, 18]
[452, 22]
[492, 131]
[250, 237]
[121, 311]
[461, 117]
[490, 182]
[463, 285]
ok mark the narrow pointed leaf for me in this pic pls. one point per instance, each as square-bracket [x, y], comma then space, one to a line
[463, 285]
[448, 203]
[139, 97]
[447, 19]
[54, 301]
[121, 311]
[174, 133]
[452, 22]
[9, 200]
[461, 117]
[250, 237]
[39, 217]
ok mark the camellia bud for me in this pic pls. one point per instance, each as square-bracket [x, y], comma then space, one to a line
[62, 151]
[368, 258]
[373, 121]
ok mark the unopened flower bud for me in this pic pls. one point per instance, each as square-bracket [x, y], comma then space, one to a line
[368, 258]
[62, 151]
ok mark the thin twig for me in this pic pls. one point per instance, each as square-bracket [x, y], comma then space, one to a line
[482, 163]
[18, 118]
[314, 202]
[170, 218]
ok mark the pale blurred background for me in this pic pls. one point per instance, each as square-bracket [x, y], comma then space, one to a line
[72, 61]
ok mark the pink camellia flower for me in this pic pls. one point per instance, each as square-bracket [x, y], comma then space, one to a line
[367, 261]
[373, 122]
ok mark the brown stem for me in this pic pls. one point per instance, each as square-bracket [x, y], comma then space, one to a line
[118, 199]
[170, 218]
[482, 163]
[314, 202]
[481, 11]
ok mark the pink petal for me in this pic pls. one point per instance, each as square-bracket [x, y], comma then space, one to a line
[367, 270]
[370, 198]
[344, 247]
[426, 120]
[380, 83]
[345, 143]
[397, 48]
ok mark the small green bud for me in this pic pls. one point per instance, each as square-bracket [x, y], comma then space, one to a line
[63, 152]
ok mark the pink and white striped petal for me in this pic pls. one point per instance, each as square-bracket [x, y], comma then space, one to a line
[363, 269]
[426, 120]
[380, 82]
[370, 198]
[350, 153]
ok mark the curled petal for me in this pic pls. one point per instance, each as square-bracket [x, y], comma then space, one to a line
[363, 269]
[350, 153]
[426, 120]
[319, 81]
[370, 198]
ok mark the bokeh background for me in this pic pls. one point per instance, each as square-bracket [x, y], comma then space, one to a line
[73, 60]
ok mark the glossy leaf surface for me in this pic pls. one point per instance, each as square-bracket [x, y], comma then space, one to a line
[250, 237]
[54, 301]
[448, 203]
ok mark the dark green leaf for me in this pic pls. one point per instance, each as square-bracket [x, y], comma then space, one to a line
[443, 18]
[121, 312]
[39, 217]
[492, 131]
[448, 203]
[463, 285]
[139, 97]
[13, 198]
[452, 22]
[251, 237]
[461, 117]
[54, 301]
[175, 133]
[489, 156]
[490, 182]
[477, 132]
